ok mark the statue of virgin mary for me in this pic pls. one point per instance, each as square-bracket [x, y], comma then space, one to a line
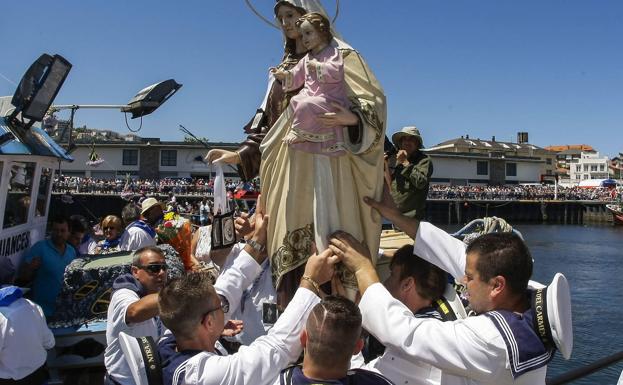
[308, 196]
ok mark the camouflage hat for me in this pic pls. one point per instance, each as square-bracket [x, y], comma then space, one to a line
[407, 131]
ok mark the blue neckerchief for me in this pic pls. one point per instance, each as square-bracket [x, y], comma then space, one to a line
[428, 312]
[525, 349]
[173, 362]
[127, 281]
[85, 238]
[106, 244]
[143, 226]
[293, 375]
[10, 294]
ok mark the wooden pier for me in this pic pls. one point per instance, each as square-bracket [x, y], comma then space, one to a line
[519, 211]
[439, 211]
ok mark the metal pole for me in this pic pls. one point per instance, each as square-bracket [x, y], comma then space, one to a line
[584, 371]
[89, 106]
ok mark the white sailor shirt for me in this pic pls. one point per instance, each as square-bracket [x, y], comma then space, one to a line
[260, 362]
[248, 305]
[468, 351]
[24, 338]
[116, 364]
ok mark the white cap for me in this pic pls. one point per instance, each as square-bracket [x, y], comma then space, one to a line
[552, 318]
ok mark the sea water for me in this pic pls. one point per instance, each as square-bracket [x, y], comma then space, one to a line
[591, 257]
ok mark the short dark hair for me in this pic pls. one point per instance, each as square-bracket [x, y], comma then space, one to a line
[333, 328]
[136, 256]
[184, 300]
[430, 280]
[130, 213]
[503, 254]
[60, 219]
[78, 224]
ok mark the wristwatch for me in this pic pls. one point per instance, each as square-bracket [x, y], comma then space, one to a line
[256, 245]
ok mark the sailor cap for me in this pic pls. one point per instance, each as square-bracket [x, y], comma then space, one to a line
[552, 315]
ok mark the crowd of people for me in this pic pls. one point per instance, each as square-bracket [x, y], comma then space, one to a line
[202, 187]
[165, 186]
[521, 192]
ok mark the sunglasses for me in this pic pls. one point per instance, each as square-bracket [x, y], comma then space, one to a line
[222, 305]
[153, 268]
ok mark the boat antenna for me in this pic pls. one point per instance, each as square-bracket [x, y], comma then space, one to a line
[187, 132]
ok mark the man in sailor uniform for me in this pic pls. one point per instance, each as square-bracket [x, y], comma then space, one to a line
[195, 314]
[419, 285]
[332, 335]
[512, 338]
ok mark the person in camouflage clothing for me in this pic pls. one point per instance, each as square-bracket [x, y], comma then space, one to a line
[411, 174]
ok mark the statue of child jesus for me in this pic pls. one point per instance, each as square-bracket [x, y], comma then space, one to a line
[321, 72]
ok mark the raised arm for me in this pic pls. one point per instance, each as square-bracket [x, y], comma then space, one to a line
[467, 348]
[261, 362]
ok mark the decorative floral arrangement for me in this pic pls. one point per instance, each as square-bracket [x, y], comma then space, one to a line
[94, 159]
[176, 231]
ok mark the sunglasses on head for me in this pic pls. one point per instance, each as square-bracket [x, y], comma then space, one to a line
[109, 228]
[153, 268]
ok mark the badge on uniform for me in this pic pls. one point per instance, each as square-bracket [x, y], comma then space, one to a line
[269, 313]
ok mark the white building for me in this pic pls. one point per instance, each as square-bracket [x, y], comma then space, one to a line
[465, 161]
[147, 158]
[588, 166]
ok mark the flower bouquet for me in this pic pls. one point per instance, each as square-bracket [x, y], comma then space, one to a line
[176, 231]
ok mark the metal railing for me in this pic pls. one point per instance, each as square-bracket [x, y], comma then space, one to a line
[584, 371]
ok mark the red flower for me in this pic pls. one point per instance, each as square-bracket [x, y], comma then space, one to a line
[168, 224]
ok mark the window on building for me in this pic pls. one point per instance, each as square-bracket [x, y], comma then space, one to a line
[585, 176]
[18, 198]
[548, 161]
[548, 172]
[168, 158]
[130, 157]
[593, 167]
[511, 169]
[586, 167]
[601, 167]
[482, 167]
[578, 167]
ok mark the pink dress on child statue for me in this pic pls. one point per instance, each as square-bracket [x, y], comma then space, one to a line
[322, 87]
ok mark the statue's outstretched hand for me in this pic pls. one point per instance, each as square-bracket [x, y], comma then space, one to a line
[218, 155]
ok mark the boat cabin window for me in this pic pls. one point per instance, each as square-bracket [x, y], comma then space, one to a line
[44, 187]
[18, 194]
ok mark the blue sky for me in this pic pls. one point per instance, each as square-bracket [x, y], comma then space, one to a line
[552, 68]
